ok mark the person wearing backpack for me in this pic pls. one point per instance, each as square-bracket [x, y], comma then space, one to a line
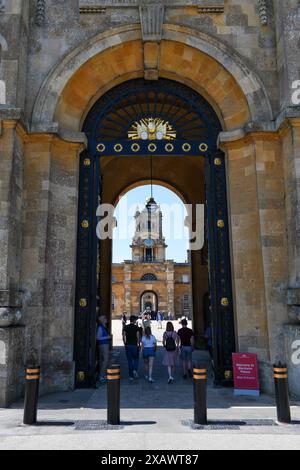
[171, 344]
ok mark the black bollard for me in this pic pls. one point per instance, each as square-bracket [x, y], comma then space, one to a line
[113, 394]
[282, 394]
[200, 396]
[31, 394]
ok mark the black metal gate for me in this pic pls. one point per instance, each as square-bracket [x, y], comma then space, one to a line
[197, 130]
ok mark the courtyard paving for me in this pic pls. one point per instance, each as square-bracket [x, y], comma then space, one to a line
[154, 417]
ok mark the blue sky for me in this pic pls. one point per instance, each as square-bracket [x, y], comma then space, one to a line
[173, 222]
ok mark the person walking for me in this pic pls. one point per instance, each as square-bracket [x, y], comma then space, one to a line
[147, 319]
[149, 345]
[103, 341]
[170, 343]
[159, 320]
[186, 336]
[131, 338]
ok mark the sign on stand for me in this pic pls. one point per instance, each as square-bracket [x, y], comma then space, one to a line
[246, 374]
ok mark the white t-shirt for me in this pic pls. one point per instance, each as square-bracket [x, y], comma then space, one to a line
[149, 342]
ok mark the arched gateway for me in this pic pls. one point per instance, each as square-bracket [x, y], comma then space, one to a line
[167, 128]
[211, 72]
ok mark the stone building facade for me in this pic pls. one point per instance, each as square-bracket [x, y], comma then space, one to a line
[57, 58]
[149, 280]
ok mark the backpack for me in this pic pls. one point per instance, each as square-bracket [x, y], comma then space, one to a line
[170, 344]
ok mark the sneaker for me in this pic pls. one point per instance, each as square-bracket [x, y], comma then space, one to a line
[131, 379]
[102, 380]
[135, 374]
[171, 380]
[151, 381]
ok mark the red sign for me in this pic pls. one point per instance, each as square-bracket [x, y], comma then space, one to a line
[245, 369]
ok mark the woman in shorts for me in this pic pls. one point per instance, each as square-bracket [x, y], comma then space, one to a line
[149, 345]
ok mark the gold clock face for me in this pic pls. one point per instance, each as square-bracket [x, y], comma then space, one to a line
[152, 129]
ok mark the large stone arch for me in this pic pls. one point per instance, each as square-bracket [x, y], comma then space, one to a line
[110, 58]
[238, 96]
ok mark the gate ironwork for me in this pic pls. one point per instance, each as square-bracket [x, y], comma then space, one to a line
[197, 126]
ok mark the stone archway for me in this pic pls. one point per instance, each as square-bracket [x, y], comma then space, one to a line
[110, 58]
[239, 100]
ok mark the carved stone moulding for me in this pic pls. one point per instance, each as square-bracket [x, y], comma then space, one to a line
[40, 15]
[89, 10]
[10, 316]
[263, 12]
[100, 6]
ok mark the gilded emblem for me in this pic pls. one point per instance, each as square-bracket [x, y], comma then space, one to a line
[152, 129]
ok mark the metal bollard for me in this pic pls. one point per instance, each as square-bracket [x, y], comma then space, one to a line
[31, 394]
[113, 394]
[282, 394]
[200, 396]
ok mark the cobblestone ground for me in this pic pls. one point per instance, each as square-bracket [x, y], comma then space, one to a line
[154, 416]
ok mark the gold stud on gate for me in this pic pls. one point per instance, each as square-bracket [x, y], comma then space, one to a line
[224, 302]
[218, 161]
[186, 147]
[83, 303]
[203, 147]
[101, 148]
[221, 223]
[169, 148]
[87, 162]
[135, 147]
[85, 224]
[80, 376]
[118, 148]
[152, 148]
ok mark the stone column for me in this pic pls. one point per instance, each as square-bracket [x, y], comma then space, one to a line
[37, 166]
[259, 246]
[49, 255]
[247, 262]
[288, 37]
[271, 205]
[291, 164]
[11, 299]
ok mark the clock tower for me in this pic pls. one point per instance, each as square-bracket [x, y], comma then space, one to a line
[148, 244]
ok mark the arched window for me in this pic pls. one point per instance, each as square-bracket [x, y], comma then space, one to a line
[149, 277]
